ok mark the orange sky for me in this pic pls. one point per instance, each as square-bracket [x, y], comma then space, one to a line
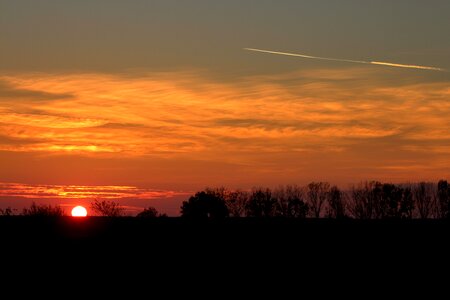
[182, 131]
[160, 96]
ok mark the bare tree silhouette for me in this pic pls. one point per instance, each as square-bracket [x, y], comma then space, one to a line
[424, 195]
[390, 202]
[336, 203]
[443, 199]
[361, 204]
[317, 195]
[290, 202]
[407, 205]
[107, 208]
[374, 194]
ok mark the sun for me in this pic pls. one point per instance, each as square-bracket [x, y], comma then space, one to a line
[79, 211]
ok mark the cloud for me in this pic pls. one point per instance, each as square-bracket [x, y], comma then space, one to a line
[36, 191]
[8, 92]
[12, 141]
[297, 121]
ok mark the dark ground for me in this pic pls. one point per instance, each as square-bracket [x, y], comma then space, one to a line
[268, 251]
[235, 235]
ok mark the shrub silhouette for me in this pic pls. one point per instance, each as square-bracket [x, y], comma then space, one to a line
[36, 210]
[150, 212]
[7, 212]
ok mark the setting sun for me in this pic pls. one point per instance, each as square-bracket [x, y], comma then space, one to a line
[79, 211]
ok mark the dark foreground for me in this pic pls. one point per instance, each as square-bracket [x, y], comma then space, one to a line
[234, 235]
[257, 255]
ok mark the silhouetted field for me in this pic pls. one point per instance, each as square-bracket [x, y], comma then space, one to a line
[161, 234]
[226, 254]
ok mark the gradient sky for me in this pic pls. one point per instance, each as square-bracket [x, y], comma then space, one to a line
[148, 101]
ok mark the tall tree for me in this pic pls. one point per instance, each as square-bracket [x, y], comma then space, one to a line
[317, 196]
[407, 205]
[424, 195]
[444, 199]
[336, 203]
[364, 199]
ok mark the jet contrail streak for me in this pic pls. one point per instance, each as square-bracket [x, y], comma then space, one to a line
[379, 63]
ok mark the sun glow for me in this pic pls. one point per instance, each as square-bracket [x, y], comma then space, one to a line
[79, 211]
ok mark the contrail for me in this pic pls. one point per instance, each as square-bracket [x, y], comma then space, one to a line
[379, 63]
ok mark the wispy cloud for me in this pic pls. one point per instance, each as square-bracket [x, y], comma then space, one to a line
[36, 191]
[8, 92]
[282, 124]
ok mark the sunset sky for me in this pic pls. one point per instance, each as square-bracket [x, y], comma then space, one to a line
[147, 101]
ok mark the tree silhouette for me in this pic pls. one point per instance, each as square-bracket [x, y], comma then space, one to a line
[36, 210]
[290, 202]
[424, 195]
[407, 206]
[236, 202]
[207, 204]
[444, 199]
[261, 204]
[391, 197]
[107, 208]
[374, 193]
[317, 195]
[336, 204]
[365, 201]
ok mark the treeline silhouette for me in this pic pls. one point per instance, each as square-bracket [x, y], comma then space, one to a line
[98, 208]
[368, 200]
[365, 201]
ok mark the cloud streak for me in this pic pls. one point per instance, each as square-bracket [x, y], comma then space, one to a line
[36, 191]
[184, 129]
[378, 63]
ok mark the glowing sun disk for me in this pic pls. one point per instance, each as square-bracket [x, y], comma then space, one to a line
[79, 211]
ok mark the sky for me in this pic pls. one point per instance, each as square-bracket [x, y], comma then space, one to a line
[146, 102]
